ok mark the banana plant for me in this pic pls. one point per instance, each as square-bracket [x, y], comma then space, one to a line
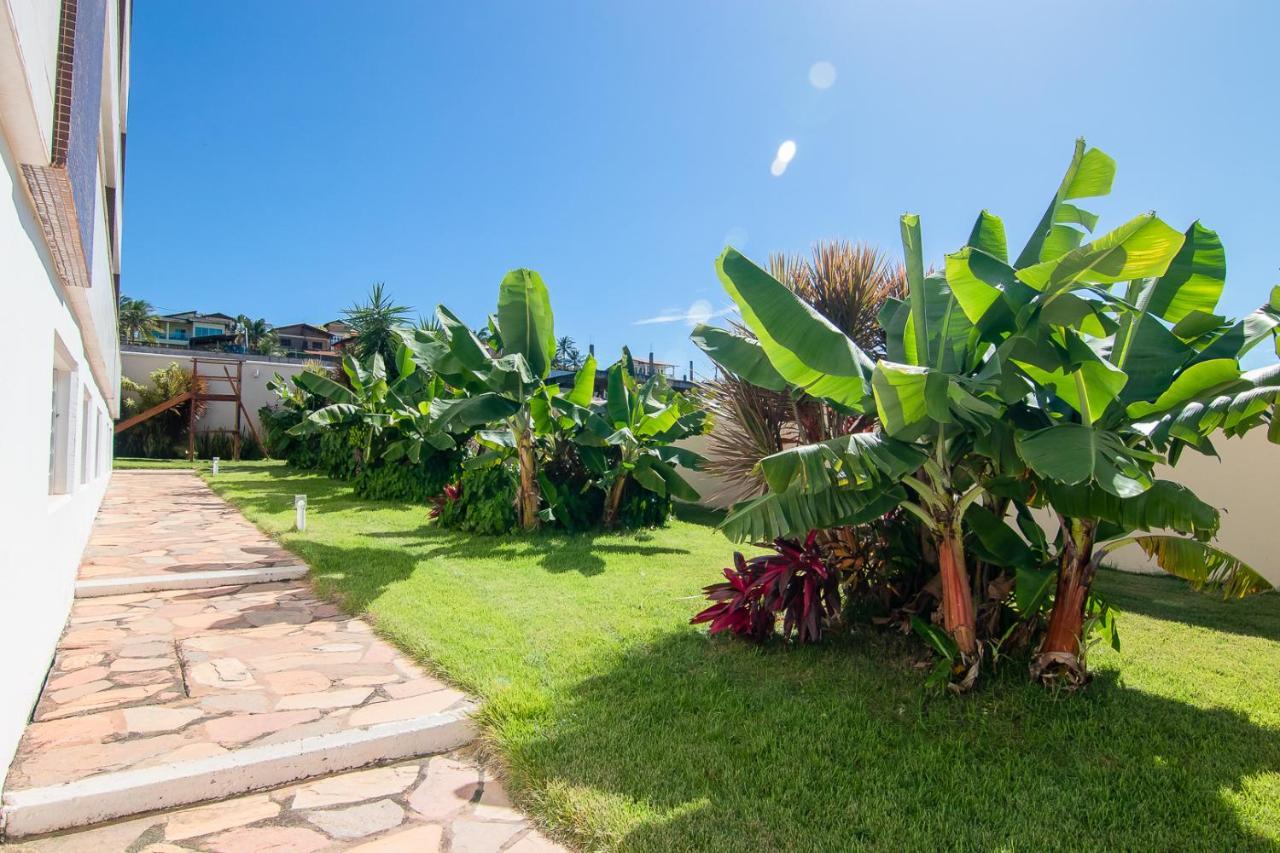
[640, 423]
[1040, 372]
[1129, 366]
[503, 380]
[931, 400]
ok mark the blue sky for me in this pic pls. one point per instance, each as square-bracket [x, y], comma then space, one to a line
[283, 156]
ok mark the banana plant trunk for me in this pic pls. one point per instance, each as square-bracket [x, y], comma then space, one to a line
[530, 495]
[957, 600]
[614, 501]
[1059, 660]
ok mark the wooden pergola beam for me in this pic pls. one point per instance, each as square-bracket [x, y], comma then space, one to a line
[153, 411]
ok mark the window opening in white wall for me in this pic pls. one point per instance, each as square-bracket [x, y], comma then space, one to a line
[60, 420]
[85, 447]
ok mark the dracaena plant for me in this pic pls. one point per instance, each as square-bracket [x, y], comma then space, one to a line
[639, 424]
[794, 582]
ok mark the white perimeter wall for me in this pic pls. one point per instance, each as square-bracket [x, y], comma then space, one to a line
[139, 366]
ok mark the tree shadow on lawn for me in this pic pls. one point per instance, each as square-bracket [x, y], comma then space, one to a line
[556, 552]
[720, 745]
[1164, 597]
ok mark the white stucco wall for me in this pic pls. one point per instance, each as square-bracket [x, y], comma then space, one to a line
[45, 520]
[138, 366]
[43, 534]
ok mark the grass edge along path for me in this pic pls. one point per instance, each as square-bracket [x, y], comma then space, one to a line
[619, 726]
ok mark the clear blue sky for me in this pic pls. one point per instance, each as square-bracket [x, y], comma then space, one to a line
[282, 156]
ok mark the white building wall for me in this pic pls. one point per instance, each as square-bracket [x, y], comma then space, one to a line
[46, 511]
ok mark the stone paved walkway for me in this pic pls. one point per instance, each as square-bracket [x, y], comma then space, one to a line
[167, 679]
[157, 522]
[443, 803]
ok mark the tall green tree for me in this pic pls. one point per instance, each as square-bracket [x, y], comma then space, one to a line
[376, 325]
[136, 320]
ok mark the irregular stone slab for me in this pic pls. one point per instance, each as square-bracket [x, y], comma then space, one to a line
[269, 839]
[195, 822]
[355, 787]
[479, 836]
[344, 698]
[358, 821]
[405, 709]
[155, 719]
[448, 787]
[427, 838]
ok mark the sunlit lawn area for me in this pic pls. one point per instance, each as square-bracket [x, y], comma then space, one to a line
[621, 726]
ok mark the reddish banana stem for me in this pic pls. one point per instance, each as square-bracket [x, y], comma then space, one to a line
[957, 601]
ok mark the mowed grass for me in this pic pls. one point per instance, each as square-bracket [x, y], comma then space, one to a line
[620, 726]
[128, 463]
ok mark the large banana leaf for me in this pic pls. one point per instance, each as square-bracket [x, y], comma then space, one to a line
[794, 513]
[1256, 327]
[1149, 354]
[802, 345]
[584, 383]
[1190, 383]
[1203, 566]
[1144, 246]
[738, 355]
[525, 320]
[849, 461]
[1089, 173]
[909, 400]
[461, 413]
[323, 386]
[468, 350]
[1193, 282]
[1074, 453]
[1164, 506]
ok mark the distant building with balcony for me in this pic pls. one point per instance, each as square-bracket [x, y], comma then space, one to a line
[189, 327]
[306, 340]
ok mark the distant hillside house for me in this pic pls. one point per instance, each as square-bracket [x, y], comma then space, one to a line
[305, 339]
[188, 327]
[338, 329]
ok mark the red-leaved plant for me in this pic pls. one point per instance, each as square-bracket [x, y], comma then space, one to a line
[794, 581]
[451, 493]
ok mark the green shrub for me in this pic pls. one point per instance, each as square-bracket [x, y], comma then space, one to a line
[642, 508]
[486, 503]
[222, 444]
[406, 481]
[340, 453]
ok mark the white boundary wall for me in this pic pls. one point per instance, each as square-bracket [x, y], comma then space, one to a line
[139, 366]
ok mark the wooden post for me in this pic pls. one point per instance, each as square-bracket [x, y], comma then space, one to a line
[191, 415]
[235, 441]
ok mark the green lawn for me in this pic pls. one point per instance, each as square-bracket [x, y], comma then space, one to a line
[126, 463]
[622, 727]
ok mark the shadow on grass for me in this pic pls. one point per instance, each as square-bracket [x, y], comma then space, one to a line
[1163, 597]
[721, 746]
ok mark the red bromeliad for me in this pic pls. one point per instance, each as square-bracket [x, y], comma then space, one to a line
[794, 581]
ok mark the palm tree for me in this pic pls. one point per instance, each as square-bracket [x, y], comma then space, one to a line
[256, 335]
[567, 356]
[374, 326]
[136, 319]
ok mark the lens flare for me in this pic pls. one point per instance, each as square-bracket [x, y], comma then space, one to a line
[822, 75]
